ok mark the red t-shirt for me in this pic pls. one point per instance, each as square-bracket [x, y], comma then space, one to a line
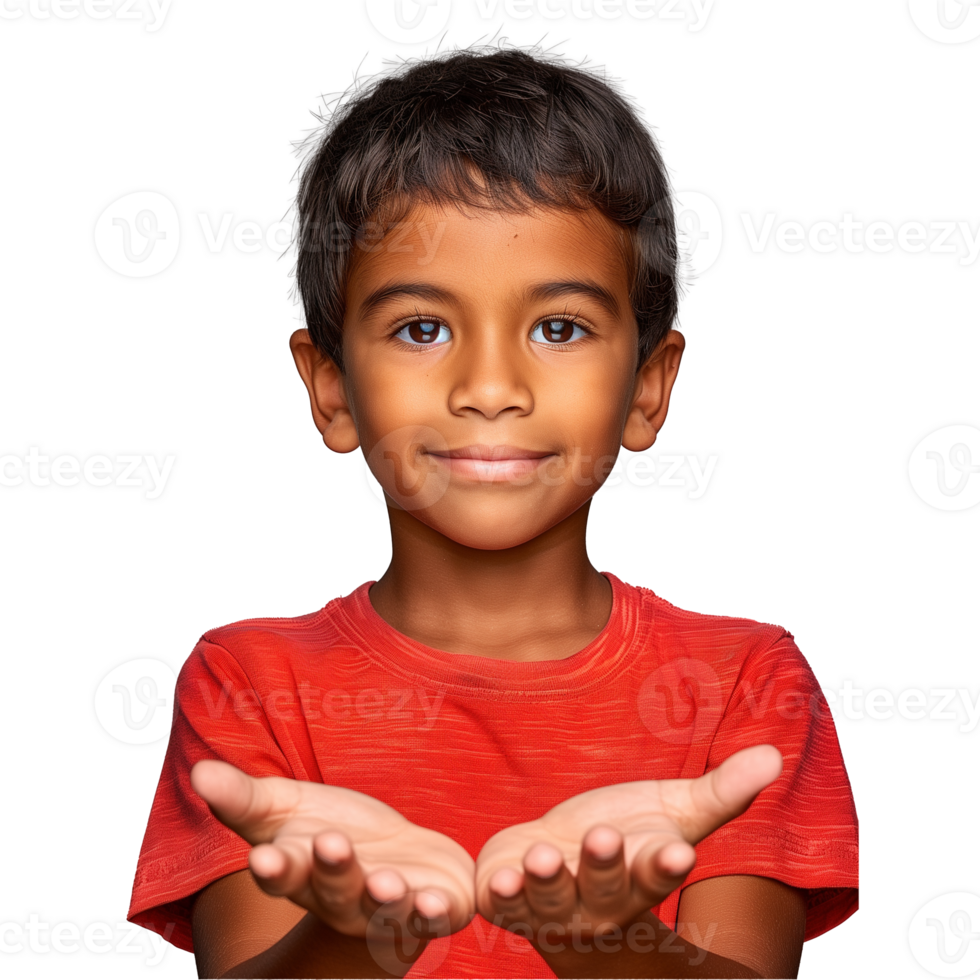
[468, 745]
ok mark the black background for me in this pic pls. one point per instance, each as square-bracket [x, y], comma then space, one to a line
[811, 376]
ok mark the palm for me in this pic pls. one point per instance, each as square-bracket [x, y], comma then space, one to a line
[282, 818]
[382, 839]
[655, 823]
[637, 810]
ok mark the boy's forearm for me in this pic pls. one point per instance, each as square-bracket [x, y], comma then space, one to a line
[313, 949]
[645, 948]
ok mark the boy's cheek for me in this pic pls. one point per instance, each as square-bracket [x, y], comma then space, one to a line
[402, 464]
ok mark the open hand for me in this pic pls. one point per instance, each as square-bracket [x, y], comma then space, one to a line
[343, 855]
[598, 860]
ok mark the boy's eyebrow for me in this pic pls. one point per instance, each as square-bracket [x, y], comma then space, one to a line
[539, 291]
[420, 290]
[570, 287]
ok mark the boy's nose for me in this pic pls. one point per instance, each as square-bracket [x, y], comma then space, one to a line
[490, 381]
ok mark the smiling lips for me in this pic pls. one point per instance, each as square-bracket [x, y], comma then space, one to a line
[492, 464]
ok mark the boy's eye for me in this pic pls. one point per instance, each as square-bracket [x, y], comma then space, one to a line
[556, 332]
[424, 333]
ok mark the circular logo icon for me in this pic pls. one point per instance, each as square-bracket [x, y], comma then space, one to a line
[138, 235]
[402, 466]
[944, 935]
[947, 21]
[944, 468]
[681, 701]
[695, 222]
[408, 21]
[134, 701]
[398, 947]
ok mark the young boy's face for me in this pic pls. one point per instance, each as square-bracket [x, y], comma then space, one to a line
[490, 369]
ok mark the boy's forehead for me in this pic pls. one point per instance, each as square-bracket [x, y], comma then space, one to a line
[480, 246]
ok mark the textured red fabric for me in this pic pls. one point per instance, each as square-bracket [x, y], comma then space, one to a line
[469, 745]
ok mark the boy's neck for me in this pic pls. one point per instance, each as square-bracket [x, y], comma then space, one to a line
[540, 601]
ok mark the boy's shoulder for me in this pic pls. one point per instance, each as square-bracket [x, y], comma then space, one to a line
[268, 643]
[688, 626]
[708, 636]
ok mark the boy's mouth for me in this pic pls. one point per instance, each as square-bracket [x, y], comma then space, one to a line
[494, 453]
[492, 464]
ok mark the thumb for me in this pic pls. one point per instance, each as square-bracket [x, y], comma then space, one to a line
[742, 776]
[253, 808]
[722, 794]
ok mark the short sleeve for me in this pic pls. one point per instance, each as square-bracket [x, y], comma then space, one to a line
[802, 829]
[185, 847]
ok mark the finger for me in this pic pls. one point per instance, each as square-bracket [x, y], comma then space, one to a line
[337, 882]
[386, 886]
[387, 904]
[427, 911]
[290, 866]
[253, 808]
[504, 896]
[549, 886]
[659, 868]
[437, 912]
[506, 883]
[392, 930]
[280, 870]
[741, 777]
[433, 903]
[603, 878]
[434, 906]
[702, 805]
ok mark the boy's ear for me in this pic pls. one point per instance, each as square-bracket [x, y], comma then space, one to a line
[328, 397]
[651, 396]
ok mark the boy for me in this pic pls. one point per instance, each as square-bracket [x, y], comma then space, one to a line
[494, 761]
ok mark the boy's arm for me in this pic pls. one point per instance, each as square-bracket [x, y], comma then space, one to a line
[757, 921]
[580, 881]
[339, 883]
[240, 931]
[733, 926]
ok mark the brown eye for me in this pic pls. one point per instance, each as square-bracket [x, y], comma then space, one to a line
[557, 332]
[424, 333]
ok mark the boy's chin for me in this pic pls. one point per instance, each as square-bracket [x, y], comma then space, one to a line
[491, 540]
[487, 530]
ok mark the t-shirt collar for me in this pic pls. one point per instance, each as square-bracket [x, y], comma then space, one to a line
[489, 677]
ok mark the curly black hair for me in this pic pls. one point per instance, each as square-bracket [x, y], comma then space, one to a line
[491, 123]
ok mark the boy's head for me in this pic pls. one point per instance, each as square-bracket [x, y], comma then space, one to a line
[487, 262]
[491, 123]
